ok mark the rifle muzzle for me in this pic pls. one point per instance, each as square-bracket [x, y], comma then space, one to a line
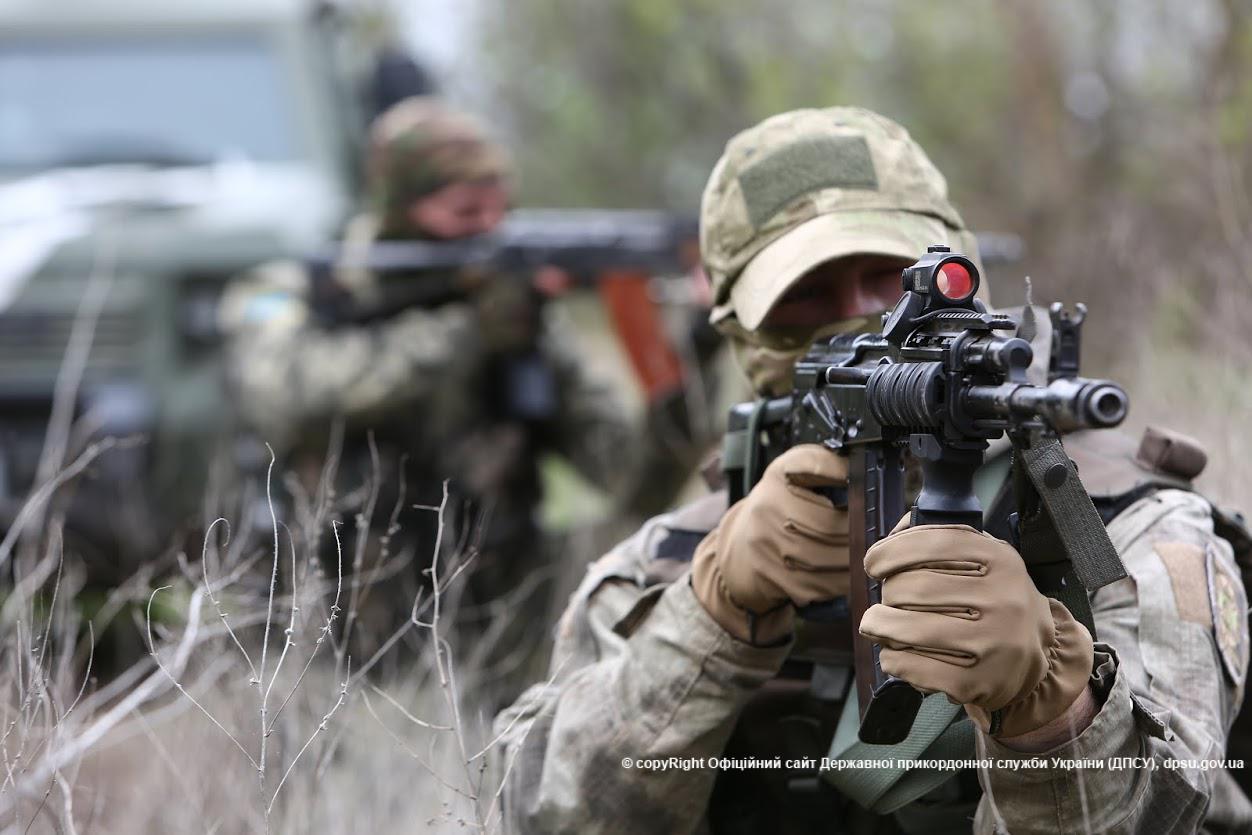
[1065, 404]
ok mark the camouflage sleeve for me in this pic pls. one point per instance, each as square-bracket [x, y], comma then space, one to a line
[288, 369]
[637, 674]
[1171, 674]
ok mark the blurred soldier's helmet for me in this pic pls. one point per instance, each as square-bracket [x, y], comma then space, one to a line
[804, 188]
[417, 147]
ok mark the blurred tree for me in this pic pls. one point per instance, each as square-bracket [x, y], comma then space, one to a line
[1113, 137]
[628, 102]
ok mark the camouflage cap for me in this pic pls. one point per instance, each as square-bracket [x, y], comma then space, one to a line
[420, 145]
[808, 186]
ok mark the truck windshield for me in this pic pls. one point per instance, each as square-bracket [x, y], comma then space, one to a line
[173, 100]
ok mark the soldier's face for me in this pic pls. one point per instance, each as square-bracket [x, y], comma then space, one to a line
[845, 288]
[460, 210]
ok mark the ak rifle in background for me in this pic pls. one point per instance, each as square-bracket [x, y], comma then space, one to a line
[588, 246]
[621, 254]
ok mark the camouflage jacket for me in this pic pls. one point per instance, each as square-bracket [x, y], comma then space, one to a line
[426, 385]
[640, 671]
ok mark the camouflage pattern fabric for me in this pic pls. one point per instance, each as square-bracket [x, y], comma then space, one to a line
[417, 147]
[809, 186]
[641, 671]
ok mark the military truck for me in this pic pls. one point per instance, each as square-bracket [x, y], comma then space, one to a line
[149, 151]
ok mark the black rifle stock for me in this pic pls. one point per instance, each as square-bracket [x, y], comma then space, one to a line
[939, 382]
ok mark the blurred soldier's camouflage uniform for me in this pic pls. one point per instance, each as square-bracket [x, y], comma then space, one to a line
[474, 390]
[641, 669]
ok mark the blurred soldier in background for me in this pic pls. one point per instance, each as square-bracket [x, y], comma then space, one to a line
[473, 389]
[684, 642]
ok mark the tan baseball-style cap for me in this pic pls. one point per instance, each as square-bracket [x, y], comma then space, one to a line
[809, 186]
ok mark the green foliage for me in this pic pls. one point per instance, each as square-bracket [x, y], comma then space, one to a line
[629, 103]
[1112, 137]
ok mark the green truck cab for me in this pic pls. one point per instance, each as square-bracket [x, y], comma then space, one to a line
[162, 148]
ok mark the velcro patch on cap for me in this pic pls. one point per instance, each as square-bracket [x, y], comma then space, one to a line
[803, 167]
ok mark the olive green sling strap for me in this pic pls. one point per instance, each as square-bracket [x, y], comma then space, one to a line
[940, 732]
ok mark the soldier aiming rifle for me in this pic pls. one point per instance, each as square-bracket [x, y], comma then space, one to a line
[684, 641]
[423, 343]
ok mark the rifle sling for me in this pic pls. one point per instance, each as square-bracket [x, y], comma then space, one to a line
[941, 731]
[1069, 560]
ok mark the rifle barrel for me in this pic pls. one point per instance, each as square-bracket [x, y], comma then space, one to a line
[1067, 403]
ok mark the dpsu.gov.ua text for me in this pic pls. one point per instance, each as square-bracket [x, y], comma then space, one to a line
[1011, 764]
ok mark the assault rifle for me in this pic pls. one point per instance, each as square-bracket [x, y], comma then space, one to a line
[623, 254]
[586, 245]
[943, 378]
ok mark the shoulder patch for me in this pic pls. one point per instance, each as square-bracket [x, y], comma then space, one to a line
[1230, 620]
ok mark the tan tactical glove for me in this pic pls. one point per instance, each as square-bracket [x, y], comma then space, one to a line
[959, 615]
[782, 546]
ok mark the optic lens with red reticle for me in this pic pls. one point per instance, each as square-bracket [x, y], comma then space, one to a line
[954, 281]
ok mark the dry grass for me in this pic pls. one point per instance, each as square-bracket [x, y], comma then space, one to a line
[251, 713]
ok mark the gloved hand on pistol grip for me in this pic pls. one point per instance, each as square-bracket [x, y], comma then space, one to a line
[960, 615]
[784, 545]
